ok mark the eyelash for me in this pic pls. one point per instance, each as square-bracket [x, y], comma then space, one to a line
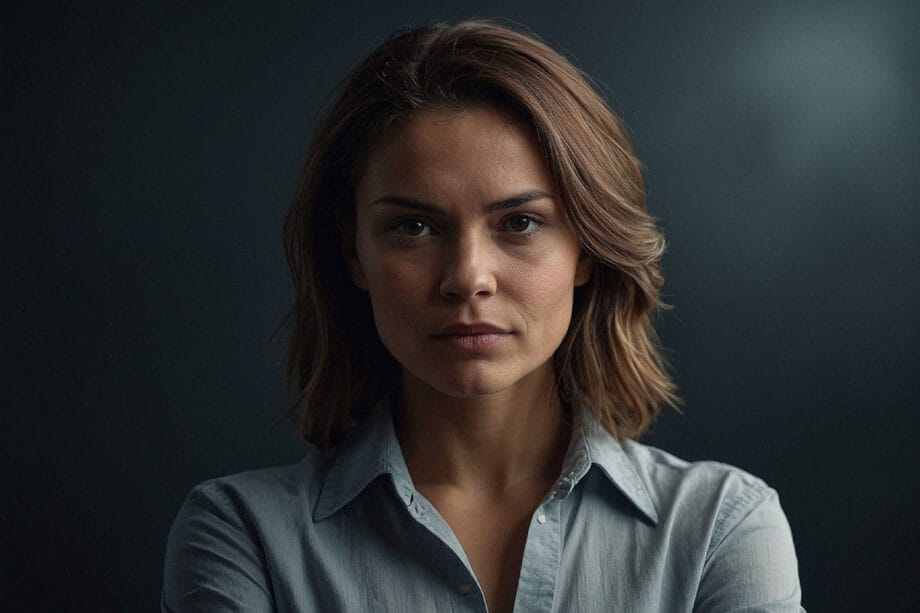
[398, 226]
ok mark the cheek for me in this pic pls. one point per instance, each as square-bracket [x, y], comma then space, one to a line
[552, 279]
[548, 293]
[396, 292]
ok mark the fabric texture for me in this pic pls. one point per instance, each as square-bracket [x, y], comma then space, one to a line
[626, 527]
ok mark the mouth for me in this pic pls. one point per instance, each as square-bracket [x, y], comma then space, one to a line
[472, 337]
[472, 329]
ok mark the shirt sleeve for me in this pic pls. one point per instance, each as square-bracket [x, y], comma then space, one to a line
[751, 565]
[213, 558]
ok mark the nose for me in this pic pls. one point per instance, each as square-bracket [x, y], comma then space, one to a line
[469, 270]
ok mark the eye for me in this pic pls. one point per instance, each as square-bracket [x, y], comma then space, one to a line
[411, 227]
[522, 224]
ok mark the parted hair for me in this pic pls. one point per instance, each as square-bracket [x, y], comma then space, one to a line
[337, 366]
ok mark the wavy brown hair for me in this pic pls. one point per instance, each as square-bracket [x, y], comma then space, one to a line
[610, 360]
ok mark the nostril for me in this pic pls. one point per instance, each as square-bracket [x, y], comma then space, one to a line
[469, 271]
[476, 286]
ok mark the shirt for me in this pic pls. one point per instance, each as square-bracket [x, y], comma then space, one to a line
[626, 527]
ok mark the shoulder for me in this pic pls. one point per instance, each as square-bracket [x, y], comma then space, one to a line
[734, 522]
[264, 492]
[705, 489]
[661, 464]
[227, 530]
[708, 494]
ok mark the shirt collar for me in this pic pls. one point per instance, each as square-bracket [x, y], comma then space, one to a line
[373, 450]
[592, 444]
[368, 452]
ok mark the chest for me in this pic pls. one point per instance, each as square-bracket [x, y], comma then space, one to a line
[585, 556]
[493, 536]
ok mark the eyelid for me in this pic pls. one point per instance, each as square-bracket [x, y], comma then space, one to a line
[538, 220]
[398, 223]
[396, 226]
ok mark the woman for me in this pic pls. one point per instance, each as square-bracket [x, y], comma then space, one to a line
[473, 356]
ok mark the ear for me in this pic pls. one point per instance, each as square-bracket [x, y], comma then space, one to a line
[583, 269]
[349, 252]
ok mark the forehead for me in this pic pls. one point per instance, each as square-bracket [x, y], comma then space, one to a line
[480, 148]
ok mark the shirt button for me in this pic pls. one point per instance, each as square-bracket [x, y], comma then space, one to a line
[541, 518]
[465, 589]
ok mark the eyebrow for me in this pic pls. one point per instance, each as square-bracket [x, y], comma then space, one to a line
[507, 203]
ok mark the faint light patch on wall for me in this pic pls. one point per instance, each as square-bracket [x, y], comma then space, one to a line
[786, 158]
[830, 85]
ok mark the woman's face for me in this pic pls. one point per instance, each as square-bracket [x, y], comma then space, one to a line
[464, 250]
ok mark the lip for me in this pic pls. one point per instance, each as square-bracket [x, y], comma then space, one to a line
[473, 336]
[471, 329]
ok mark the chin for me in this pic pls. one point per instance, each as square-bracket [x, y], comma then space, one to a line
[470, 390]
[466, 381]
[470, 387]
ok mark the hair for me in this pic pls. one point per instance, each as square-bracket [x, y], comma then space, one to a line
[610, 359]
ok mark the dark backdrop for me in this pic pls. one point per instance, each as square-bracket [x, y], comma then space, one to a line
[149, 152]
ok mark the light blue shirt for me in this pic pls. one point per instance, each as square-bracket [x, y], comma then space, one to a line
[626, 527]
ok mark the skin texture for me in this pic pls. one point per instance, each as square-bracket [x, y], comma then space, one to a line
[515, 268]
[456, 223]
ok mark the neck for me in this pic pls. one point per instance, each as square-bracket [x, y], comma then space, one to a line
[483, 445]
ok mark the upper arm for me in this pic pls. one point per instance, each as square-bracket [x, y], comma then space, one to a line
[214, 561]
[751, 564]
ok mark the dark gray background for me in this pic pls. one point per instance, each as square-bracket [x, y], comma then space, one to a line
[150, 150]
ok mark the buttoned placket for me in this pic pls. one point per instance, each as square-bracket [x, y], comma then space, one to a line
[536, 589]
[542, 550]
[464, 584]
[540, 565]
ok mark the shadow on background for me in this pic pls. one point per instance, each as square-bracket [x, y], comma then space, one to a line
[150, 152]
